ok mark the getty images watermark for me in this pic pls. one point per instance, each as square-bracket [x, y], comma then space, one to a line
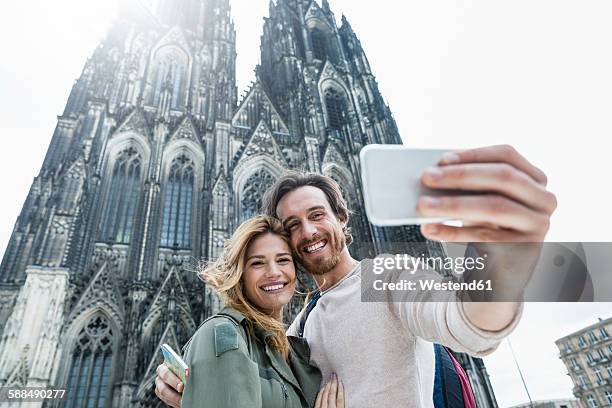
[490, 272]
[402, 264]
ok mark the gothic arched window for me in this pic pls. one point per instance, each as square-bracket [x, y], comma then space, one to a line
[252, 193]
[122, 199]
[336, 109]
[176, 228]
[170, 73]
[90, 369]
[319, 43]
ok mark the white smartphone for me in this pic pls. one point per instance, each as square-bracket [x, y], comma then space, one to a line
[391, 179]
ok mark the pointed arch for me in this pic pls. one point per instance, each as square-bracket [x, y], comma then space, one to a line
[169, 315]
[124, 182]
[321, 33]
[335, 98]
[124, 169]
[257, 107]
[251, 179]
[319, 39]
[252, 193]
[178, 203]
[92, 344]
[335, 108]
[170, 70]
[182, 179]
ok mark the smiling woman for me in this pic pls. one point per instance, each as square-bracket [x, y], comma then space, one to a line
[270, 275]
[256, 258]
[241, 357]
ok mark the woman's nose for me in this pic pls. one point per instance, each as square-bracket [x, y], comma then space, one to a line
[274, 270]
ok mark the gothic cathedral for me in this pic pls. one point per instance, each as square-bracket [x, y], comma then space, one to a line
[153, 163]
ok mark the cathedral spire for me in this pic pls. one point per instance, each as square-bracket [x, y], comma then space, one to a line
[345, 23]
[325, 5]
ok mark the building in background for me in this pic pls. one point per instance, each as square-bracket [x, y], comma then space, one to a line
[153, 163]
[587, 354]
[557, 403]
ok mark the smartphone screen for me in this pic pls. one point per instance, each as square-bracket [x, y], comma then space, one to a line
[391, 179]
[175, 363]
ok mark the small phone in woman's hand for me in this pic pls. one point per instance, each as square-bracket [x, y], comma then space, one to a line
[174, 362]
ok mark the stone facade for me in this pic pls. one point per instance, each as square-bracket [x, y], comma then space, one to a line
[153, 163]
[587, 354]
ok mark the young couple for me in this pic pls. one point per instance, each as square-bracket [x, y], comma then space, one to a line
[355, 353]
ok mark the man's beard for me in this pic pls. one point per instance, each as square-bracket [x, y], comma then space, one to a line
[321, 265]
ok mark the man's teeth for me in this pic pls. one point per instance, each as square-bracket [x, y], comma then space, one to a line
[273, 287]
[314, 247]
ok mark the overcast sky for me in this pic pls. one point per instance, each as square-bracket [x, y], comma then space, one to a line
[457, 74]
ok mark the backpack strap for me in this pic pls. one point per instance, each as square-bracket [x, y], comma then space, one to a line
[468, 394]
[448, 392]
[311, 304]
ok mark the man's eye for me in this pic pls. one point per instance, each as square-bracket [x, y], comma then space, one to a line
[291, 227]
[317, 216]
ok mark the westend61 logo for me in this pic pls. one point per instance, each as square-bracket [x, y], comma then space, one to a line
[411, 264]
[492, 272]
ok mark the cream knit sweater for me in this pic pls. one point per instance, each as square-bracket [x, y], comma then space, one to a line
[383, 352]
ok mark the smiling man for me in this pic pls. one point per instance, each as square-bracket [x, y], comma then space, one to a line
[382, 351]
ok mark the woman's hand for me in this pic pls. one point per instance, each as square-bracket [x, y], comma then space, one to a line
[331, 395]
[168, 386]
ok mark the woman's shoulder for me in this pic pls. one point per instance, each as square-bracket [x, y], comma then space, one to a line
[218, 334]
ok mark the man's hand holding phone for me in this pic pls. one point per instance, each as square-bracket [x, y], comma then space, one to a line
[516, 207]
[497, 194]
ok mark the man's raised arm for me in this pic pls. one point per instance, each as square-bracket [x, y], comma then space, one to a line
[516, 208]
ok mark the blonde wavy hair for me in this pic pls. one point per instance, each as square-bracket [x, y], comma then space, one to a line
[225, 275]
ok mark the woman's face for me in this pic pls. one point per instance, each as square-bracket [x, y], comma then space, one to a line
[269, 276]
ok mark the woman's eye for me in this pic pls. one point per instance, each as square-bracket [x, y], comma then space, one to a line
[257, 264]
[284, 260]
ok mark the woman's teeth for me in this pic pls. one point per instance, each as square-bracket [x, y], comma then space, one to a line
[274, 287]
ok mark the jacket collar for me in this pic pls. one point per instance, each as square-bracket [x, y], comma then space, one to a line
[281, 366]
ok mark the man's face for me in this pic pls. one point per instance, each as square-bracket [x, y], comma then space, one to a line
[316, 232]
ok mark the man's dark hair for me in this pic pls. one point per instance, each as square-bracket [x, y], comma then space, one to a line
[293, 180]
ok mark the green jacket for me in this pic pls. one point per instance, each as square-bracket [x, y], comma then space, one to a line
[228, 367]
